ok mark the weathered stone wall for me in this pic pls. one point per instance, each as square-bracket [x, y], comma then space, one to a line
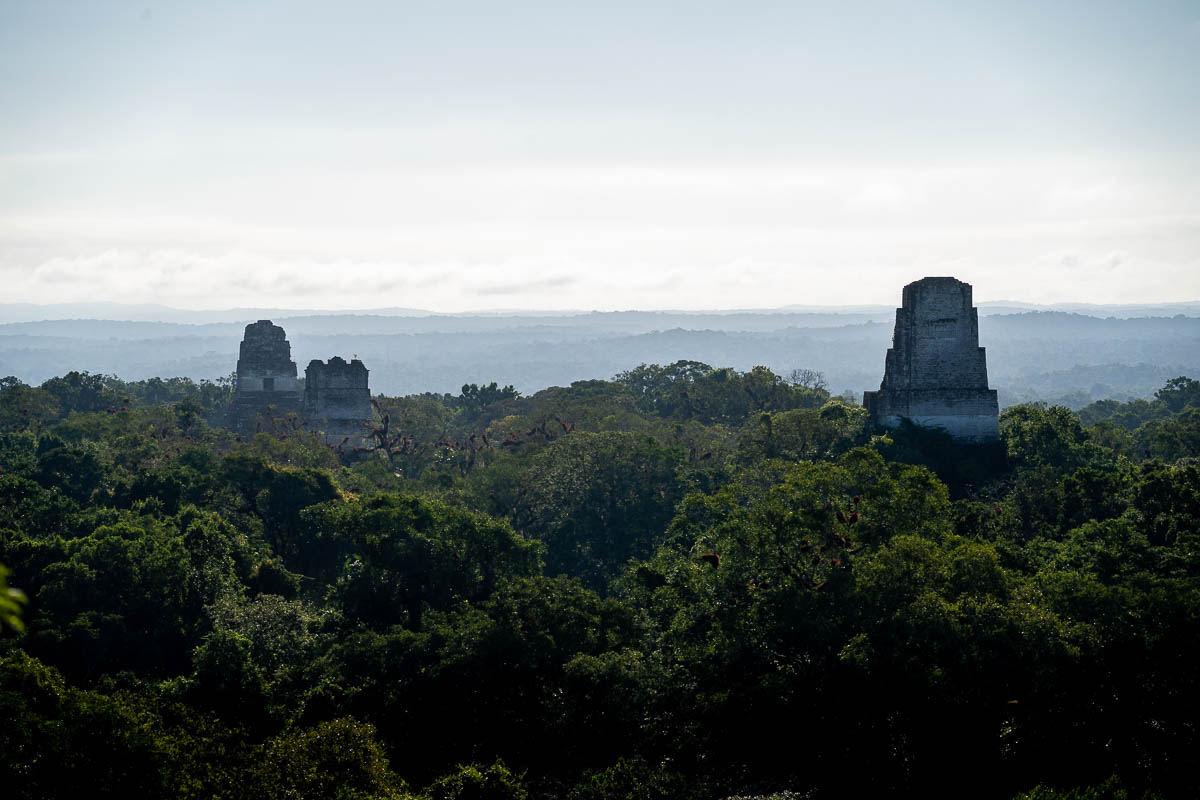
[266, 376]
[935, 373]
[337, 396]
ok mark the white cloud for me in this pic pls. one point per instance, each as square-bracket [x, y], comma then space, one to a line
[1087, 198]
[885, 196]
[591, 236]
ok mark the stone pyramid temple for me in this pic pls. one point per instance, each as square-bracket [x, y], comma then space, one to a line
[337, 393]
[337, 396]
[266, 376]
[935, 374]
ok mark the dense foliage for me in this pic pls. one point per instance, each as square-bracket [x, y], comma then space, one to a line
[686, 582]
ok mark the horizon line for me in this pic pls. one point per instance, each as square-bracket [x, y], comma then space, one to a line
[795, 308]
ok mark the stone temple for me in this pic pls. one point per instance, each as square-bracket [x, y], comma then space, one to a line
[935, 374]
[266, 376]
[337, 397]
[337, 394]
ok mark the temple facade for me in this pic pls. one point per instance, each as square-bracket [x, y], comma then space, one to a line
[935, 373]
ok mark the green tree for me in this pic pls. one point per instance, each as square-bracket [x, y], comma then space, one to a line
[76, 471]
[57, 741]
[26, 408]
[11, 600]
[1036, 436]
[125, 597]
[635, 779]
[599, 499]
[476, 782]
[803, 434]
[415, 554]
[336, 760]
[1175, 438]
[1180, 393]
[475, 399]
[83, 391]
[261, 652]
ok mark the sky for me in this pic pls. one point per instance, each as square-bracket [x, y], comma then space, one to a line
[460, 156]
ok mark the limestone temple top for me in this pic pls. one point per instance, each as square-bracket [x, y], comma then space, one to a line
[336, 400]
[265, 348]
[935, 373]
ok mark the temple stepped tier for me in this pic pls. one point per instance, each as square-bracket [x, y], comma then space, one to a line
[936, 373]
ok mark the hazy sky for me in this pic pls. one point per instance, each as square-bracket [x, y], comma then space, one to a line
[478, 155]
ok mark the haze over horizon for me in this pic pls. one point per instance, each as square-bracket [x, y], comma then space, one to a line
[118, 311]
[467, 157]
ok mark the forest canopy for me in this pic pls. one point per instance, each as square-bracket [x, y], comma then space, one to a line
[684, 582]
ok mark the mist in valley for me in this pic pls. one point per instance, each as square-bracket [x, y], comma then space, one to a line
[1052, 356]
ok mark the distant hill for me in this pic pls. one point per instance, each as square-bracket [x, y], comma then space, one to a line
[31, 312]
[1054, 356]
[128, 312]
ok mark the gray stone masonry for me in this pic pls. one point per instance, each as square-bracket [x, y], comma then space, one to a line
[266, 376]
[935, 373]
[337, 398]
